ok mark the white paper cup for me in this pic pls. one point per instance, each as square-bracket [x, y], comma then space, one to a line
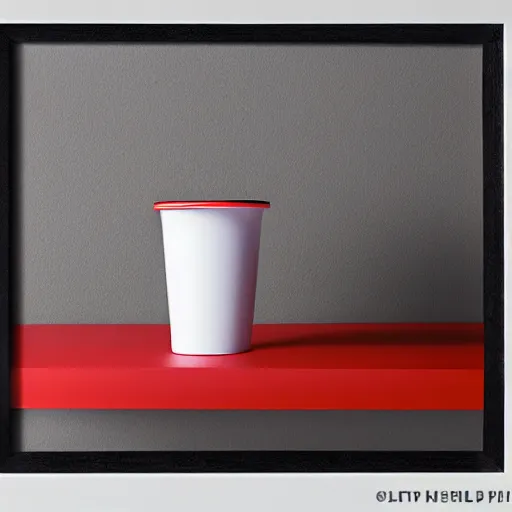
[211, 251]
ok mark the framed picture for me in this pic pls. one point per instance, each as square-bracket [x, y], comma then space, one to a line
[380, 285]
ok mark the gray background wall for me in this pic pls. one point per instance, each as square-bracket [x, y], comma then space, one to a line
[370, 155]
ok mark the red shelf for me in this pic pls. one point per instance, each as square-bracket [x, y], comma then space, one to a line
[299, 366]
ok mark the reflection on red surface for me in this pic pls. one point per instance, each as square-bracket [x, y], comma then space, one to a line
[291, 366]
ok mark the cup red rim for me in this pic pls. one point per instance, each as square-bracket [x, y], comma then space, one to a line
[227, 203]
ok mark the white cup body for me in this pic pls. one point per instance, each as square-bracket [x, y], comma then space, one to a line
[211, 268]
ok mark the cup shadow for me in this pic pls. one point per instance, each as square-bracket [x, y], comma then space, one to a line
[432, 337]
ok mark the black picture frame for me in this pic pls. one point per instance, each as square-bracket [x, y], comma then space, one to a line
[490, 36]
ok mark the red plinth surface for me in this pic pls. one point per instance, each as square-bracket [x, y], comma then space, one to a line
[299, 366]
